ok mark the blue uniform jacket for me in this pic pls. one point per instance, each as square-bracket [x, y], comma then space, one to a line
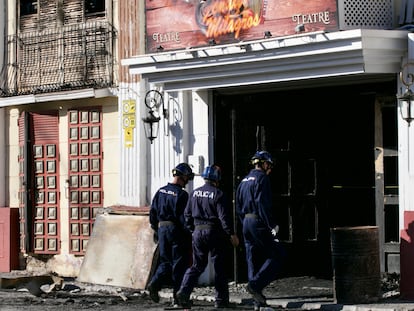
[168, 204]
[254, 196]
[208, 205]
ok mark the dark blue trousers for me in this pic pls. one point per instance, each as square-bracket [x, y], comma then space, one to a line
[207, 241]
[175, 257]
[264, 255]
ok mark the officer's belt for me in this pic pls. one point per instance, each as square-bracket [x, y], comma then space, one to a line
[204, 226]
[250, 216]
[165, 223]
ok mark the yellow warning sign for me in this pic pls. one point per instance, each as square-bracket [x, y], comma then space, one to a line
[129, 137]
[128, 106]
[128, 113]
[128, 121]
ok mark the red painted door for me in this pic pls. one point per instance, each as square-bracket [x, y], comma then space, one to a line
[39, 182]
[85, 175]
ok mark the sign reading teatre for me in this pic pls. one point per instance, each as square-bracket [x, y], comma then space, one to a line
[181, 24]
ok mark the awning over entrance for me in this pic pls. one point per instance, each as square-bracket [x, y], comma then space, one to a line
[353, 53]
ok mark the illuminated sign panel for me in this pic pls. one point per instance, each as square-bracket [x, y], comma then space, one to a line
[182, 24]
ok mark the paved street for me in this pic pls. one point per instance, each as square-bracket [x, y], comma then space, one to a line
[80, 296]
[16, 301]
[293, 294]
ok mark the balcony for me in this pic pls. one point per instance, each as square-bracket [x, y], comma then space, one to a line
[60, 59]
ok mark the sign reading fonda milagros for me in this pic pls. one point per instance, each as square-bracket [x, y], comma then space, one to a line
[181, 24]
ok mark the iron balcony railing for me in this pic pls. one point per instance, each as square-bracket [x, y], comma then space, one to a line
[67, 58]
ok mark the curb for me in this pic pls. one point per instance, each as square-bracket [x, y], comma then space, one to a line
[320, 303]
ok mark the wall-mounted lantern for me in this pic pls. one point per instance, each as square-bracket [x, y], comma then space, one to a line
[151, 125]
[153, 101]
[406, 100]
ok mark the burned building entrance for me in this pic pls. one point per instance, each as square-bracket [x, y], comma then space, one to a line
[323, 141]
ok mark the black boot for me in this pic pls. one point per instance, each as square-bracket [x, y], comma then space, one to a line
[153, 292]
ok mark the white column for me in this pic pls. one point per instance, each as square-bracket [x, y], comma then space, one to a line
[201, 135]
[133, 154]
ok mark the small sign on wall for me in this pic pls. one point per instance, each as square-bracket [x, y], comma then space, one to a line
[128, 121]
[128, 137]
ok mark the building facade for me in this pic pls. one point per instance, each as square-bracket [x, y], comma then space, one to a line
[313, 84]
[59, 104]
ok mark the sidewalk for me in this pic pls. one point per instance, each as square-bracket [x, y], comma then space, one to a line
[306, 293]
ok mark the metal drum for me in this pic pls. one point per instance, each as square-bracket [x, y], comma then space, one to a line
[356, 265]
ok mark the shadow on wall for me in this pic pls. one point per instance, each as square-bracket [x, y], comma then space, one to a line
[176, 129]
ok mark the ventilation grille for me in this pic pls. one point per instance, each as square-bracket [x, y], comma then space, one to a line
[365, 14]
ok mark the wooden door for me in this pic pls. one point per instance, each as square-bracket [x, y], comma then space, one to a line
[85, 175]
[386, 183]
[39, 182]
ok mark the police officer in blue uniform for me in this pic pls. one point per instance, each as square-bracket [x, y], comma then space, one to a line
[174, 240]
[208, 215]
[264, 255]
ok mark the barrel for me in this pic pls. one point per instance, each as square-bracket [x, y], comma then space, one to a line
[356, 265]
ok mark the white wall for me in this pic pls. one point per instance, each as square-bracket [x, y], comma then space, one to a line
[184, 136]
[201, 135]
[12, 152]
[201, 138]
[132, 164]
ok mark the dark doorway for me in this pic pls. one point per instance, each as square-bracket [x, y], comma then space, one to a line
[322, 141]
